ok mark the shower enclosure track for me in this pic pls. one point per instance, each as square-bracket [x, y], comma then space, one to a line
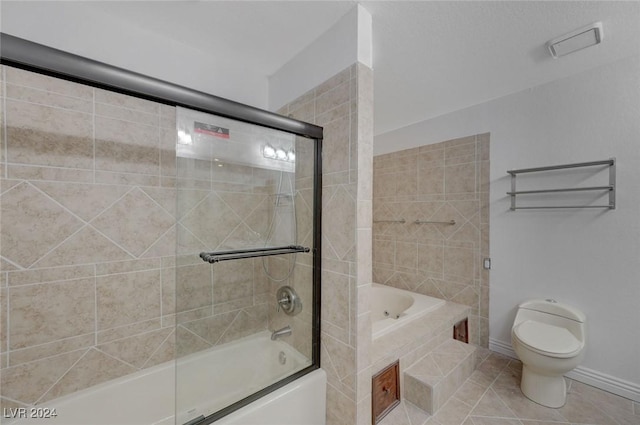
[238, 254]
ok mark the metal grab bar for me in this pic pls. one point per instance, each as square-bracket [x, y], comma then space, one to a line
[450, 222]
[238, 254]
[402, 220]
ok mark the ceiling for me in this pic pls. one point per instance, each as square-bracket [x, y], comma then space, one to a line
[430, 57]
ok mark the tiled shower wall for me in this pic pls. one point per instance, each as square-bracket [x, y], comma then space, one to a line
[88, 240]
[300, 274]
[86, 214]
[343, 105]
[438, 182]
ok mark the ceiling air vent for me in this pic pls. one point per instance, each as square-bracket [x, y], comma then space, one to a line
[576, 40]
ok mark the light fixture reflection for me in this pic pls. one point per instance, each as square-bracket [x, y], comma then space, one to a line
[279, 153]
[184, 138]
[269, 151]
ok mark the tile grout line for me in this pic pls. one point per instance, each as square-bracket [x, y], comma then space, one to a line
[61, 376]
[489, 387]
[85, 225]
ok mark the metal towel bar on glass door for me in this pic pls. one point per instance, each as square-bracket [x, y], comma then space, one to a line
[238, 254]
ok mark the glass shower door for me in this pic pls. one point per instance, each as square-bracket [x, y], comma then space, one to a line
[244, 267]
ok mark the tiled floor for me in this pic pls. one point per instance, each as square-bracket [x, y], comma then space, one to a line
[492, 396]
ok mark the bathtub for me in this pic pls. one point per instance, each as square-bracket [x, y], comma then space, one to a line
[148, 397]
[392, 308]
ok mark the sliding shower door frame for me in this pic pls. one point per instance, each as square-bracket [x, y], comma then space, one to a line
[30, 56]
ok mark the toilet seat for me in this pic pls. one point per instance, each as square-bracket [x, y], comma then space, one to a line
[548, 340]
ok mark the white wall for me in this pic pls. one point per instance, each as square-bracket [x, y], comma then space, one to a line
[347, 42]
[587, 258]
[78, 28]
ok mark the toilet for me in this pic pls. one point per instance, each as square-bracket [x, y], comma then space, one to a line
[549, 339]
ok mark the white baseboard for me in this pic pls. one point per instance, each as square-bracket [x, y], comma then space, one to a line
[582, 374]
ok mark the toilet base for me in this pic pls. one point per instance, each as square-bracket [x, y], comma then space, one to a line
[549, 391]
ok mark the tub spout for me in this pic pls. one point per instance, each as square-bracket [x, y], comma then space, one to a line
[281, 332]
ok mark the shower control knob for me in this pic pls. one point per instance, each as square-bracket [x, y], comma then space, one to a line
[288, 300]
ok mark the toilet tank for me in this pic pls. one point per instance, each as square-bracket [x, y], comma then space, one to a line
[553, 313]
[553, 307]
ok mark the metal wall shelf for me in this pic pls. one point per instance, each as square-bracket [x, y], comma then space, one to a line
[611, 187]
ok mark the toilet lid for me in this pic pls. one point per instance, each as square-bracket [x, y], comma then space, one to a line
[547, 338]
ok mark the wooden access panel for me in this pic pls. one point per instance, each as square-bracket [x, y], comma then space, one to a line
[461, 331]
[385, 391]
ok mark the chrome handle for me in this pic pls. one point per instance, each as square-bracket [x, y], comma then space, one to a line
[284, 302]
[288, 300]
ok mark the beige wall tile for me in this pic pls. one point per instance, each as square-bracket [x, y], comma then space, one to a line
[335, 298]
[125, 331]
[332, 98]
[211, 328]
[51, 311]
[406, 255]
[448, 257]
[84, 200]
[129, 102]
[339, 222]
[168, 151]
[460, 178]
[232, 280]
[127, 298]
[126, 147]
[194, 287]
[336, 146]
[93, 368]
[31, 79]
[127, 266]
[85, 246]
[54, 303]
[54, 348]
[136, 350]
[146, 222]
[431, 180]
[431, 258]
[165, 352]
[247, 322]
[3, 322]
[28, 382]
[25, 277]
[212, 230]
[305, 112]
[28, 172]
[131, 179]
[37, 224]
[125, 114]
[333, 82]
[27, 94]
[168, 117]
[42, 135]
